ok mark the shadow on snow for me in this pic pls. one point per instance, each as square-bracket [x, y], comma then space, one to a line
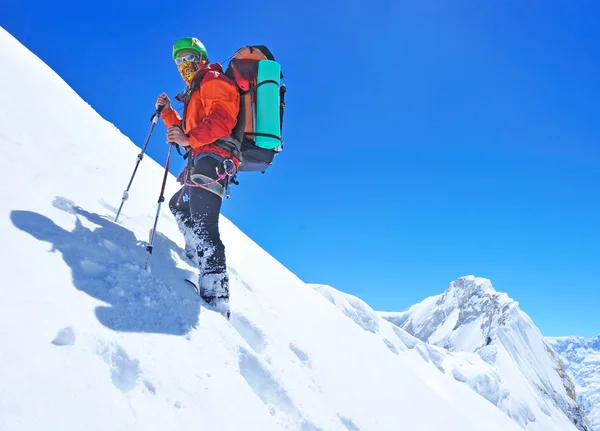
[108, 264]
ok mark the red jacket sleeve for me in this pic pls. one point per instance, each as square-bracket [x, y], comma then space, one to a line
[221, 102]
[170, 117]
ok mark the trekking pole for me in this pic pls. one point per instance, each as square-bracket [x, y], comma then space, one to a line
[161, 199]
[154, 120]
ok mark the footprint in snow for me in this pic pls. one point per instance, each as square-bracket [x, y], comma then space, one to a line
[64, 337]
[124, 371]
[266, 387]
[347, 422]
[308, 426]
[270, 391]
[300, 354]
[234, 275]
[150, 386]
[249, 332]
[64, 204]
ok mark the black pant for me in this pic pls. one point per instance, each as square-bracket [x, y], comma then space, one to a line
[197, 210]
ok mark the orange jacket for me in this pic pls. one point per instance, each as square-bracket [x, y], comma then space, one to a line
[210, 113]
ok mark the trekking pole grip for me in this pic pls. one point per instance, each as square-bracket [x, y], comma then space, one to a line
[156, 114]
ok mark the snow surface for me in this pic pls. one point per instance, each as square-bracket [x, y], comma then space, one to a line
[471, 317]
[89, 340]
[581, 358]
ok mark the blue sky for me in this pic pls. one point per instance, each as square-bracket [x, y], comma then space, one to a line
[424, 140]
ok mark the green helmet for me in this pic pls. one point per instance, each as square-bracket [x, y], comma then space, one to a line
[190, 43]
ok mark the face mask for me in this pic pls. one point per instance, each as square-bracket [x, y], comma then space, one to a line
[187, 70]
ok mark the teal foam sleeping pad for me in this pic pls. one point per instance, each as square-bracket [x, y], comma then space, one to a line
[267, 105]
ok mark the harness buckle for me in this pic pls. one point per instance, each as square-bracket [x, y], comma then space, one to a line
[228, 167]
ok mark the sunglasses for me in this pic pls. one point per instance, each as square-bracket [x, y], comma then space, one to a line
[189, 58]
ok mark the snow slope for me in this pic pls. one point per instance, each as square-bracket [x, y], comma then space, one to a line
[581, 358]
[89, 340]
[470, 316]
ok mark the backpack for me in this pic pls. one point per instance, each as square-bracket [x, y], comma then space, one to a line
[260, 120]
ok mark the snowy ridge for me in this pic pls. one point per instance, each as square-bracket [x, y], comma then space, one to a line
[470, 316]
[89, 340]
[467, 368]
[353, 307]
[581, 358]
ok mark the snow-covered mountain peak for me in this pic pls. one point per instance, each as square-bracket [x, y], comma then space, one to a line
[472, 296]
[470, 316]
[470, 284]
[447, 319]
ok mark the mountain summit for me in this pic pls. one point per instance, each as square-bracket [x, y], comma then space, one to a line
[471, 316]
[448, 320]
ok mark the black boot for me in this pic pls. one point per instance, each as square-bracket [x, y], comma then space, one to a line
[214, 289]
